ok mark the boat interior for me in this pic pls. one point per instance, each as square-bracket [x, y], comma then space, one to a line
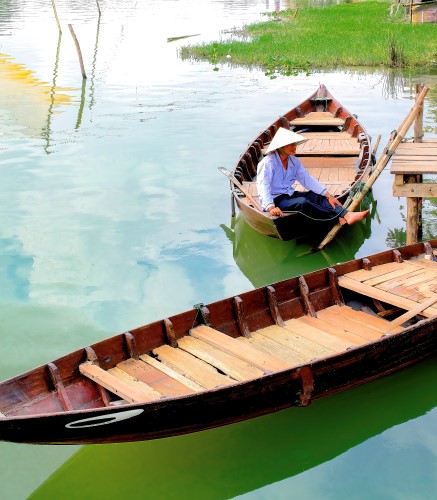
[336, 153]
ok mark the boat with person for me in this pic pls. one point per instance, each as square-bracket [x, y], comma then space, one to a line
[274, 347]
[337, 153]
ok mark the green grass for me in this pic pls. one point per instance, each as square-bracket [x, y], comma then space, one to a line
[345, 35]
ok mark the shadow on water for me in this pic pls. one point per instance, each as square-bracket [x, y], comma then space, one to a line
[240, 458]
[265, 260]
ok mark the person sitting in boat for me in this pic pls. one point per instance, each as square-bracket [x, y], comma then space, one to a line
[276, 175]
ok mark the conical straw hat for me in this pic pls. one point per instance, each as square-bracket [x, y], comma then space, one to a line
[283, 137]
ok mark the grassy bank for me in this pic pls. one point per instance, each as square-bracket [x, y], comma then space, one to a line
[357, 34]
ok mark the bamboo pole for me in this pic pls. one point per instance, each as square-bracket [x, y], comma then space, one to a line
[56, 15]
[382, 162]
[418, 122]
[79, 52]
[98, 7]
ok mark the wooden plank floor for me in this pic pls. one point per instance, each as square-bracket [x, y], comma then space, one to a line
[405, 284]
[329, 146]
[415, 158]
[208, 359]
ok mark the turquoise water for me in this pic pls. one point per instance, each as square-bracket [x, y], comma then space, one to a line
[114, 214]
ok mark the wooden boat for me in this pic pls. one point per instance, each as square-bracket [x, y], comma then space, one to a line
[337, 153]
[271, 348]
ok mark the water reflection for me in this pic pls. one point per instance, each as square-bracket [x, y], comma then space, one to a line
[27, 102]
[426, 13]
[232, 460]
[265, 260]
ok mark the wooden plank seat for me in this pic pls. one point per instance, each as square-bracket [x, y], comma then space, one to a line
[330, 135]
[273, 348]
[297, 343]
[318, 118]
[233, 367]
[133, 381]
[167, 370]
[285, 345]
[245, 352]
[318, 336]
[378, 284]
[125, 389]
[339, 332]
[191, 367]
[327, 162]
[156, 379]
[326, 146]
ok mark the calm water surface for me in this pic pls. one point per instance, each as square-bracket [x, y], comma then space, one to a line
[113, 214]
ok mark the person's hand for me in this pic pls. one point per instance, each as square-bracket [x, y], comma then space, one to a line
[276, 211]
[333, 201]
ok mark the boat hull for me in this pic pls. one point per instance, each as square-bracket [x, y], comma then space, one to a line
[232, 404]
[57, 404]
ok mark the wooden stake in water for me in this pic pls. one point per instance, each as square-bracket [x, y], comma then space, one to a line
[79, 53]
[98, 7]
[56, 15]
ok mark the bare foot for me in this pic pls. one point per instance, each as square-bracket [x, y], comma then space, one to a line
[352, 217]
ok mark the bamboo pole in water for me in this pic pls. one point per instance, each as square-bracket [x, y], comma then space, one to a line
[382, 161]
[56, 15]
[79, 52]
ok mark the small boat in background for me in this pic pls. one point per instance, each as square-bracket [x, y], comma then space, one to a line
[271, 348]
[337, 153]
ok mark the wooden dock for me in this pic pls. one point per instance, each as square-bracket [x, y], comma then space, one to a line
[410, 162]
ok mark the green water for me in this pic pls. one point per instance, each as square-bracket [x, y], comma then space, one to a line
[113, 214]
[332, 449]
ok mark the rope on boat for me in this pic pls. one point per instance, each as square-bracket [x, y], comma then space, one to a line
[356, 192]
[203, 320]
[308, 216]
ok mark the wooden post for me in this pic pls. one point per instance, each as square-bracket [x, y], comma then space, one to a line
[56, 15]
[412, 214]
[79, 53]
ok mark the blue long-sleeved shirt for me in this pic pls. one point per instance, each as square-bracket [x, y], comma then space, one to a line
[272, 179]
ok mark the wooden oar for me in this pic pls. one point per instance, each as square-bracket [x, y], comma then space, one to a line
[412, 312]
[382, 161]
[240, 186]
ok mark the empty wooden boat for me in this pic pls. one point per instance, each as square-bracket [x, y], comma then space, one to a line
[283, 345]
[337, 153]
